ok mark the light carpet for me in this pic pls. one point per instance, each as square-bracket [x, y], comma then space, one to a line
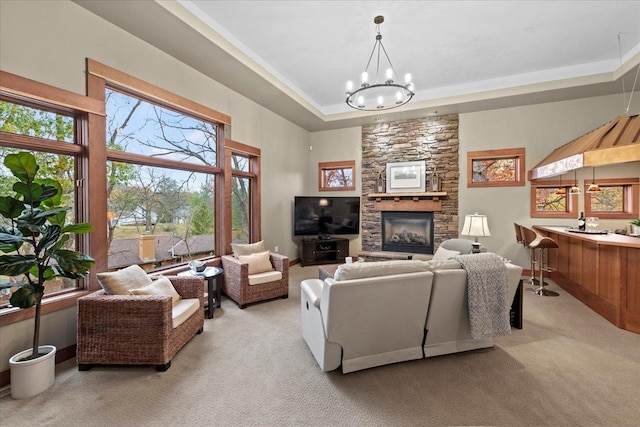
[251, 367]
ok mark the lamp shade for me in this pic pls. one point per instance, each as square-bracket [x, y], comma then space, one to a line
[475, 225]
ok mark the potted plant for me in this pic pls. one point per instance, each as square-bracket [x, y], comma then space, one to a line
[33, 236]
[635, 227]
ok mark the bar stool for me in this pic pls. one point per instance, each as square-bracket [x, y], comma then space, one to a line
[528, 236]
[543, 244]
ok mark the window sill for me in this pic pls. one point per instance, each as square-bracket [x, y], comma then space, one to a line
[49, 305]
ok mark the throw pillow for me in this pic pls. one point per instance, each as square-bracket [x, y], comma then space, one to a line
[121, 281]
[247, 248]
[443, 254]
[361, 270]
[258, 262]
[161, 286]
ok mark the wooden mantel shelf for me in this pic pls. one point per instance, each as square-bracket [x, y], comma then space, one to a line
[418, 202]
[429, 194]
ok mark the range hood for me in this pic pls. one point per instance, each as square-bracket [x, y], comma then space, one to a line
[617, 141]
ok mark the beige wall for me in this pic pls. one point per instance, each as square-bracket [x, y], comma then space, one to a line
[331, 146]
[49, 41]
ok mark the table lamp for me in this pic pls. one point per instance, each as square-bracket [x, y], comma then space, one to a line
[475, 225]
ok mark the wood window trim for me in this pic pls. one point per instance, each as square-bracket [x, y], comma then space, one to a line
[42, 95]
[123, 81]
[20, 90]
[572, 200]
[254, 155]
[49, 305]
[343, 164]
[508, 153]
[631, 188]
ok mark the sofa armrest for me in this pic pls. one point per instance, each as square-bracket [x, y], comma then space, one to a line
[312, 289]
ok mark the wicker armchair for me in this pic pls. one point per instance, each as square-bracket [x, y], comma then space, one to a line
[235, 281]
[135, 329]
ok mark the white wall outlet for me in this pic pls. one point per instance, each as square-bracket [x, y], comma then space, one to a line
[275, 249]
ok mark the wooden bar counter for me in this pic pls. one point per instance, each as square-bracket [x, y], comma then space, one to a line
[601, 270]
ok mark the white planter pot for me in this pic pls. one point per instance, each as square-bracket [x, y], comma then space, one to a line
[32, 377]
[635, 229]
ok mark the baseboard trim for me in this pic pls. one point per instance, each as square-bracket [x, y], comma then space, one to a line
[62, 354]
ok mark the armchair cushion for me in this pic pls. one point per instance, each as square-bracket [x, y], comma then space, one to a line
[161, 286]
[121, 281]
[182, 310]
[259, 262]
[266, 277]
[247, 248]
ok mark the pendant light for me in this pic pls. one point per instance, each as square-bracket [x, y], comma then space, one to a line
[575, 189]
[593, 187]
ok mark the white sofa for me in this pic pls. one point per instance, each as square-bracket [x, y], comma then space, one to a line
[376, 313]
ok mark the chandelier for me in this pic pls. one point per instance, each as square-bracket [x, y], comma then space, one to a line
[383, 93]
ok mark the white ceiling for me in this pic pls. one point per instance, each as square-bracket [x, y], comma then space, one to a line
[294, 57]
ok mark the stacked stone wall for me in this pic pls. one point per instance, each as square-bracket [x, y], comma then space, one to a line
[433, 139]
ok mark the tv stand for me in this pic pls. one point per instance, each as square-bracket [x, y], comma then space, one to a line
[324, 250]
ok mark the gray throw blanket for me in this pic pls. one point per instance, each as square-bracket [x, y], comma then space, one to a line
[487, 289]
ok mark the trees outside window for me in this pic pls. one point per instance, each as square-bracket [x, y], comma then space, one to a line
[49, 135]
[337, 176]
[548, 202]
[496, 168]
[155, 185]
[617, 199]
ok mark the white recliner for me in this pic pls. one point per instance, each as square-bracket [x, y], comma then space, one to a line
[448, 325]
[366, 322]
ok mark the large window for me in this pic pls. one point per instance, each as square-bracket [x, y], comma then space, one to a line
[617, 199]
[160, 183]
[49, 123]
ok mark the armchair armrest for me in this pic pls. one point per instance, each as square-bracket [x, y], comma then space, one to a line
[279, 262]
[188, 286]
[233, 267]
[312, 290]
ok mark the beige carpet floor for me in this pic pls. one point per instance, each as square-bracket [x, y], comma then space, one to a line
[567, 367]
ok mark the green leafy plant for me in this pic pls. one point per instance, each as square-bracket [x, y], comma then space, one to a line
[636, 222]
[33, 242]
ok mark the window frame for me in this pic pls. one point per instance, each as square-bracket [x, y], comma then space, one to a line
[20, 90]
[328, 166]
[572, 199]
[508, 153]
[99, 78]
[631, 190]
[254, 156]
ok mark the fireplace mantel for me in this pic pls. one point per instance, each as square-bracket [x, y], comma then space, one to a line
[416, 202]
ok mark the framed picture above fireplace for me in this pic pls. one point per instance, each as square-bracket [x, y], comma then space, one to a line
[406, 177]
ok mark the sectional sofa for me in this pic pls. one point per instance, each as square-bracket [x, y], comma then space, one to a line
[376, 313]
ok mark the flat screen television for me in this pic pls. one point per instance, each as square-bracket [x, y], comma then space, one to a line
[326, 216]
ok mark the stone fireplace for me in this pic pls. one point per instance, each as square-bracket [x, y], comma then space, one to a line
[407, 232]
[433, 139]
